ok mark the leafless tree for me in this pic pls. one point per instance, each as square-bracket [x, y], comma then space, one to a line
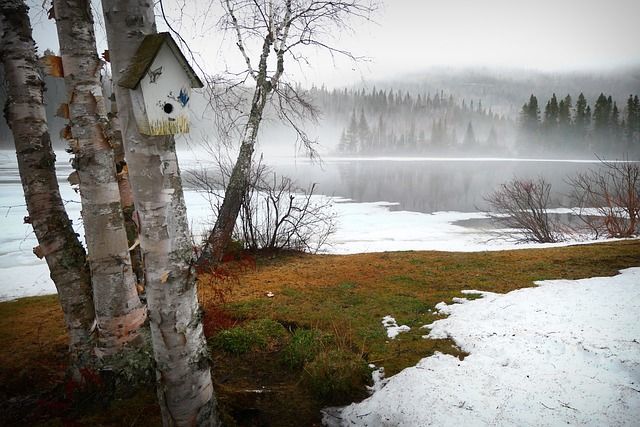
[275, 212]
[119, 312]
[522, 207]
[185, 388]
[58, 242]
[608, 199]
[277, 30]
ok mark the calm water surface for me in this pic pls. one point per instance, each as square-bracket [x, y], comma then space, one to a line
[421, 185]
[429, 185]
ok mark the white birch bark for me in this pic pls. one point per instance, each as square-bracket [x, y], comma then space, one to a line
[57, 240]
[185, 389]
[118, 309]
[126, 194]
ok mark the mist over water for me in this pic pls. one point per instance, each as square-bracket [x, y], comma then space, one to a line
[438, 185]
[424, 185]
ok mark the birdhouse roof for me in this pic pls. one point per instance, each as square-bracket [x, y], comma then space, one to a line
[145, 55]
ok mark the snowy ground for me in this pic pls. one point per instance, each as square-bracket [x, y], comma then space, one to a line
[564, 353]
[361, 227]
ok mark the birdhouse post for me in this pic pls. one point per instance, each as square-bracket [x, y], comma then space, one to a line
[160, 80]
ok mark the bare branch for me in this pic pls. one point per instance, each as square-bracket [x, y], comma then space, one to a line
[240, 42]
[608, 199]
[521, 206]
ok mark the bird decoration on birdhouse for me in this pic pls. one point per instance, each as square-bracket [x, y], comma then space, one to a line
[160, 80]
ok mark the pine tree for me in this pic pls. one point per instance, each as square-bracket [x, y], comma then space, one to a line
[614, 122]
[629, 121]
[437, 134]
[633, 120]
[364, 133]
[564, 112]
[580, 121]
[343, 146]
[380, 134]
[564, 120]
[492, 138]
[469, 140]
[530, 119]
[551, 112]
[601, 116]
[352, 142]
[410, 137]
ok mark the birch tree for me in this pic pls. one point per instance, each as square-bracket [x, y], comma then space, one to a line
[119, 312]
[278, 29]
[185, 389]
[58, 242]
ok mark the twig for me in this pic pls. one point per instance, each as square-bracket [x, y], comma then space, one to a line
[566, 405]
[553, 409]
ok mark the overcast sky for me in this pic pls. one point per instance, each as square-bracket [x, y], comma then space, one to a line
[412, 35]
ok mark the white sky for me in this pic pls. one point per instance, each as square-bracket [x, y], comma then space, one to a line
[413, 35]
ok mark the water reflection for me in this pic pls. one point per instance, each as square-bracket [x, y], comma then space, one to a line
[430, 185]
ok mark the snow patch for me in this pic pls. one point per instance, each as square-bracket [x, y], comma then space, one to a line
[390, 324]
[565, 352]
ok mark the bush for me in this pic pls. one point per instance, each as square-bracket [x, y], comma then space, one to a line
[260, 335]
[522, 205]
[608, 199]
[305, 344]
[336, 374]
[276, 213]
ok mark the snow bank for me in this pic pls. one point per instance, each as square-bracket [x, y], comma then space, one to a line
[565, 352]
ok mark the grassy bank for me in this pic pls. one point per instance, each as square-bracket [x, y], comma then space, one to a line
[292, 334]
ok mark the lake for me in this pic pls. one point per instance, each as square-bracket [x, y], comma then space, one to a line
[380, 204]
[424, 185]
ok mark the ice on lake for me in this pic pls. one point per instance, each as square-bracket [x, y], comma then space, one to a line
[387, 213]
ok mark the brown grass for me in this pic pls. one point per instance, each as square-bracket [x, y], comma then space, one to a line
[344, 296]
[31, 328]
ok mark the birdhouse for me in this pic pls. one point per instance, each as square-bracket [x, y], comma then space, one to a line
[160, 80]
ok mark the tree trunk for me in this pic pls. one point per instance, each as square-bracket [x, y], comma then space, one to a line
[185, 389]
[118, 309]
[58, 242]
[235, 192]
[126, 194]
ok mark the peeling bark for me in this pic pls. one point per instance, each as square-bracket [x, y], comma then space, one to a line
[119, 312]
[58, 243]
[185, 389]
[114, 135]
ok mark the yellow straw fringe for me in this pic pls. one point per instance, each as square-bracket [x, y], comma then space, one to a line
[166, 127]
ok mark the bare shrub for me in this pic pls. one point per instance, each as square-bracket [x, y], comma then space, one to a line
[522, 207]
[275, 213]
[608, 199]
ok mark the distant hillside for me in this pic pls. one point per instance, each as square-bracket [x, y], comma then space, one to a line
[449, 105]
[504, 91]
